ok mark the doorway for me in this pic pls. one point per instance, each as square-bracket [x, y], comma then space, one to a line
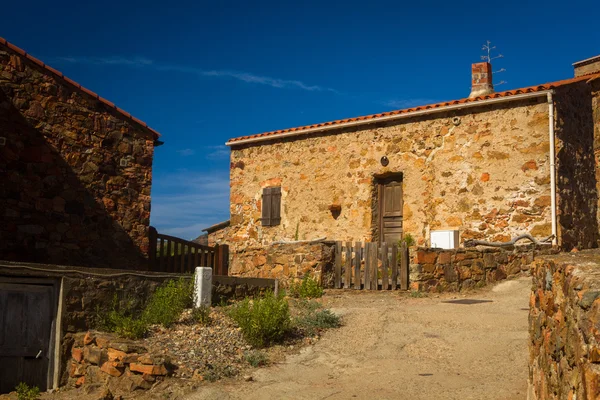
[27, 323]
[389, 191]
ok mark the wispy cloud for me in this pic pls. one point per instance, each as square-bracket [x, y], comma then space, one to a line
[220, 152]
[186, 152]
[408, 103]
[248, 77]
[186, 201]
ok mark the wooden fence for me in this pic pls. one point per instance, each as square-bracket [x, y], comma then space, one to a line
[172, 254]
[370, 267]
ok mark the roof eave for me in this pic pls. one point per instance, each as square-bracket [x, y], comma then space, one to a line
[409, 114]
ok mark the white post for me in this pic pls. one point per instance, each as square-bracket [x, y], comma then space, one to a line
[203, 287]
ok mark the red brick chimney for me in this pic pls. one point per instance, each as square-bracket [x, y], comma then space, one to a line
[481, 79]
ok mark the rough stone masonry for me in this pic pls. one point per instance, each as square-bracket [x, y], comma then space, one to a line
[484, 171]
[75, 174]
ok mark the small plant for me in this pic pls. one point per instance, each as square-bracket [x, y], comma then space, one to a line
[263, 320]
[218, 371]
[256, 358]
[312, 318]
[121, 320]
[168, 302]
[24, 392]
[409, 239]
[202, 315]
[416, 294]
[297, 231]
[308, 288]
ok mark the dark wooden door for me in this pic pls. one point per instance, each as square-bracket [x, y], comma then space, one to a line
[26, 314]
[390, 210]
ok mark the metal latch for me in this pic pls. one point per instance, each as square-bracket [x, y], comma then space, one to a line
[38, 354]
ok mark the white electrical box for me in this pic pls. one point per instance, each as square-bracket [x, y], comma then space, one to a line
[444, 239]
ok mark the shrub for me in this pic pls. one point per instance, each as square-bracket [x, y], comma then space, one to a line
[168, 302]
[312, 318]
[201, 315]
[308, 288]
[263, 320]
[256, 358]
[121, 321]
[24, 392]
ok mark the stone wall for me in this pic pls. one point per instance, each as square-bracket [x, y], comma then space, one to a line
[88, 293]
[486, 175]
[285, 261]
[564, 342]
[75, 174]
[577, 192]
[437, 270]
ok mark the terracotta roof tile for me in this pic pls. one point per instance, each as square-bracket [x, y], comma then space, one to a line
[508, 93]
[77, 85]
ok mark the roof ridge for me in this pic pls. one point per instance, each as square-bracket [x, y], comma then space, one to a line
[48, 68]
[506, 93]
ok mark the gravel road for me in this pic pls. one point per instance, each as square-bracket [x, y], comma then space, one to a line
[393, 346]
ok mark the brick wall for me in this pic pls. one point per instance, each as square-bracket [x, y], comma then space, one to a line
[564, 341]
[75, 175]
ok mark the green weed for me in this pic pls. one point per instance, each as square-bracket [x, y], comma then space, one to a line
[24, 392]
[308, 288]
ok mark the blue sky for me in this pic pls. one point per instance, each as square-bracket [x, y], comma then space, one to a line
[202, 72]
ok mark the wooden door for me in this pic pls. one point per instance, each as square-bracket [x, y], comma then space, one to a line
[390, 210]
[26, 314]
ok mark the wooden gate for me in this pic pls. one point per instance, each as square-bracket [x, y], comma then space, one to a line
[368, 266]
[26, 315]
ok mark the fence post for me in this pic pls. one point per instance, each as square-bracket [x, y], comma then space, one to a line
[222, 259]
[404, 267]
[152, 238]
[203, 287]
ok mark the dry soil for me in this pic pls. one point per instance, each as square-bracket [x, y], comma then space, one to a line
[394, 346]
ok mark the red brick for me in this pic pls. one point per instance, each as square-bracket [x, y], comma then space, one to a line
[88, 338]
[77, 354]
[148, 369]
[116, 355]
[113, 368]
[80, 381]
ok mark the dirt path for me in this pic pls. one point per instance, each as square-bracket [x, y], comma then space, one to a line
[397, 347]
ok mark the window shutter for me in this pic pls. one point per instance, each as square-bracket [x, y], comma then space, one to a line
[266, 207]
[275, 206]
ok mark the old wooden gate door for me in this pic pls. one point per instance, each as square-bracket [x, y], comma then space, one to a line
[390, 210]
[26, 314]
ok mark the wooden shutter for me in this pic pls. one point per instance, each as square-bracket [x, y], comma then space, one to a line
[275, 206]
[271, 206]
[266, 207]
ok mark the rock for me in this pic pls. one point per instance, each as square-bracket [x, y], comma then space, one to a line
[106, 394]
[116, 355]
[77, 354]
[148, 369]
[248, 378]
[113, 368]
[88, 338]
[80, 381]
[93, 355]
[145, 359]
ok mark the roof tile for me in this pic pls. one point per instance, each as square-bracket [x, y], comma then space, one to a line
[507, 93]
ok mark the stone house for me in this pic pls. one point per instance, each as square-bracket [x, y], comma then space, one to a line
[75, 170]
[492, 166]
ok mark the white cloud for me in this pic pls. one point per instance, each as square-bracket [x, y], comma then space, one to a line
[248, 77]
[408, 103]
[186, 152]
[220, 152]
[185, 202]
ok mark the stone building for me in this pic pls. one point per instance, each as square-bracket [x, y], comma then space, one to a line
[485, 165]
[75, 170]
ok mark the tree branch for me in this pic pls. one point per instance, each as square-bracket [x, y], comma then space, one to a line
[544, 241]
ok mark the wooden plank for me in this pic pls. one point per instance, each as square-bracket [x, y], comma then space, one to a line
[196, 258]
[394, 264]
[384, 266]
[170, 259]
[161, 256]
[404, 267]
[152, 233]
[338, 265]
[357, 258]
[184, 250]
[367, 270]
[179, 240]
[374, 267]
[190, 259]
[348, 269]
